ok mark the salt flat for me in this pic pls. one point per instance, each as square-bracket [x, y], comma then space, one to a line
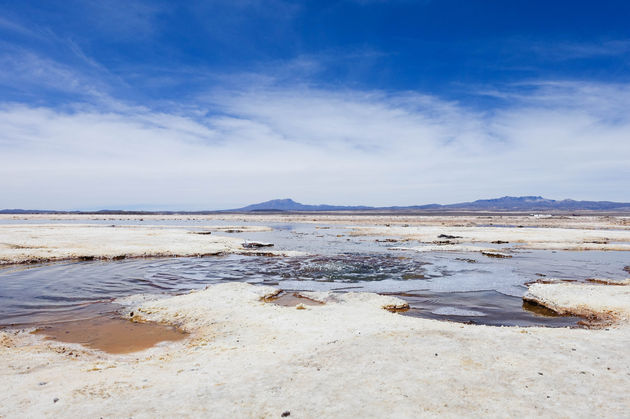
[348, 357]
[245, 357]
[31, 243]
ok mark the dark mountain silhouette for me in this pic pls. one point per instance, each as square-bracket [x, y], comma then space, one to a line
[506, 203]
[291, 205]
[534, 203]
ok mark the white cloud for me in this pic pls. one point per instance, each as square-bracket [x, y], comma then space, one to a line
[345, 147]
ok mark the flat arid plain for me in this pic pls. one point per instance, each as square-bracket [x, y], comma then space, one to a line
[313, 209]
[311, 315]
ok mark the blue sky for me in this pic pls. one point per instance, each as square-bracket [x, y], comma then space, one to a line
[217, 104]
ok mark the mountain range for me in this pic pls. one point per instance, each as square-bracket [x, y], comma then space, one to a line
[506, 203]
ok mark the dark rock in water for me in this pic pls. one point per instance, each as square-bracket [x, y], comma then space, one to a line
[495, 254]
[499, 242]
[55, 400]
[285, 414]
[255, 245]
[448, 236]
[627, 269]
[266, 254]
[408, 276]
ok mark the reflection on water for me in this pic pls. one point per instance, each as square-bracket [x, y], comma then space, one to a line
[466, 287]
[483, 307]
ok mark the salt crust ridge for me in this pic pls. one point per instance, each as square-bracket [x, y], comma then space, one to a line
[43, 243]
[603, 301]
[518, 238]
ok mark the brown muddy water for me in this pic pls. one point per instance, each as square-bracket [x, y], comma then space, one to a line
[114, 335]
[75, 301]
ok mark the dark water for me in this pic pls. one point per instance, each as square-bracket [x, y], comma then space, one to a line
[466, 287]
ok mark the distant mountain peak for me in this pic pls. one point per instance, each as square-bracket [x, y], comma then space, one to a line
[285, 204]
[281, 201]
[288, 204]
[528, 198]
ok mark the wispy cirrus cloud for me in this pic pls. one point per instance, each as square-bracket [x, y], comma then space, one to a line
[12, 25]
[27, 77]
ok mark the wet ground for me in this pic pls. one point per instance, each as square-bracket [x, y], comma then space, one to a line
[112, 334]
[465, 287]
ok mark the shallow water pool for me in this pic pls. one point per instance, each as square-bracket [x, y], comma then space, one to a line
[456, 286]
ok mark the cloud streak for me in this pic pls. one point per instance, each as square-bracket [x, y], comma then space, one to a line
[315, 145]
